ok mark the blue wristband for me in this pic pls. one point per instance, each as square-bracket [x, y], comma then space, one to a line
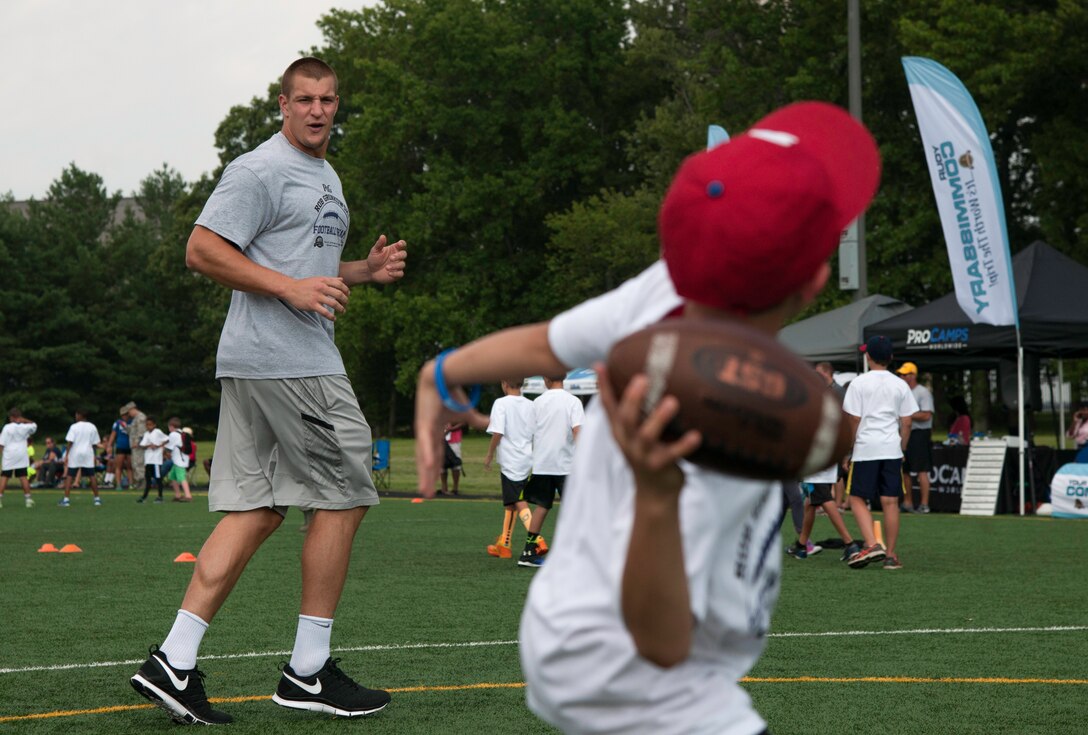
[443, 392]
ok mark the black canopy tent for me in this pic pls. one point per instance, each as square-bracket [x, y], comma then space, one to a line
[1050, 289]
[1052, 295]
[834, 336]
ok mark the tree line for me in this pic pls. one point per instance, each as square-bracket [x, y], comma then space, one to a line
[521, 147]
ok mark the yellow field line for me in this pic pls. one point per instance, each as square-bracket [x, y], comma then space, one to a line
[903, 680]
[521, 685]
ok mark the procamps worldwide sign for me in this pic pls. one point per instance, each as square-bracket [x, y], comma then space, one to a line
[938, 338]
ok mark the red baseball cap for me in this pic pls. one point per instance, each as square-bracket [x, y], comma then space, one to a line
[747, 223]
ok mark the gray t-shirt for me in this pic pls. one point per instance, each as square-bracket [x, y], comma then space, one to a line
[925, 403]
[286, 211]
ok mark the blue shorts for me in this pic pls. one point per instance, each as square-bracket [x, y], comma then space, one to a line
[874, 478]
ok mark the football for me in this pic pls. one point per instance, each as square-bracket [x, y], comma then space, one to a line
[763, 412]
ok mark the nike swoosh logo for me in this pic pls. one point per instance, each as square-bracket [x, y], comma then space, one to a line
[314, 688]
[179, 684]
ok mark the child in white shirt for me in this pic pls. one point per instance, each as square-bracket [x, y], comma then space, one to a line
[153, 442]
[82, 439]
[16, 458]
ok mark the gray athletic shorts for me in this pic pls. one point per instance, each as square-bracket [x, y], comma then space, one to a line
[299, 442]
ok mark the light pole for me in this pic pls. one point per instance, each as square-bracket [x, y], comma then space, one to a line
[853, 273]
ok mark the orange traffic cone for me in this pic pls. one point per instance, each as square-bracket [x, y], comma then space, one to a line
[185, 556]
[47, 548]
[70, 549]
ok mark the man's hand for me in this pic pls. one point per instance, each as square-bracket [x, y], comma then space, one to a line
[386, 262]
[652, 459]
[324, 295]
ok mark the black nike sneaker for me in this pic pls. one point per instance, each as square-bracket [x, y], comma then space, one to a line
[329, 690]
[179, 692]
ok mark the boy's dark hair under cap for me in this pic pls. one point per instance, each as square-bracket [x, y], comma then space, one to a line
[879, 348]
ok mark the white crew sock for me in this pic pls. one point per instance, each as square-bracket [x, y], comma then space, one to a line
[183, 642]
[311, 645]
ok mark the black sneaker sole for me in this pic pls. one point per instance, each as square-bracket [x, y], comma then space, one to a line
[177, 711]
[313, 706]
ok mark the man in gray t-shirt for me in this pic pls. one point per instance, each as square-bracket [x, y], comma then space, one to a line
[290, 429]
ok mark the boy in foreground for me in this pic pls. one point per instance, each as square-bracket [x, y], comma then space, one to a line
[653, 636]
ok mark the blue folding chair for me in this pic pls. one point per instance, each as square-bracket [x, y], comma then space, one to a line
[379, 466]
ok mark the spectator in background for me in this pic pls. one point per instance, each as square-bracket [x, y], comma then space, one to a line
[557, 417]
[119, 444]
[1078, 430]
[511, 429]
[454, 435]
[879, 407]
[919, 455]
[192, 454]
[16, 460]
[959, 428]
[793, 504]
[137, 427]
[82, 439]
[51, 465]
[152, 443]
[827, 372]
[180, 446]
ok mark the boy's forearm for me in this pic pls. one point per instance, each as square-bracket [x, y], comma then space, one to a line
[514, 352]
[654, 597]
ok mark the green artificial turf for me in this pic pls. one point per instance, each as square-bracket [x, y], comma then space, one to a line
[421, 589]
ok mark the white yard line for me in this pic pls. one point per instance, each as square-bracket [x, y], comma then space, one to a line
[481, 644]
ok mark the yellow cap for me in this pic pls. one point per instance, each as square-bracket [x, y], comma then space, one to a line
[908, 368]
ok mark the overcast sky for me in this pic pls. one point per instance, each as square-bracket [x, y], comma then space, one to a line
[120, 87]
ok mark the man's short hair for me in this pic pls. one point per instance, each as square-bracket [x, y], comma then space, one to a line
[14, 413]
[310, 67]
[174, 421]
